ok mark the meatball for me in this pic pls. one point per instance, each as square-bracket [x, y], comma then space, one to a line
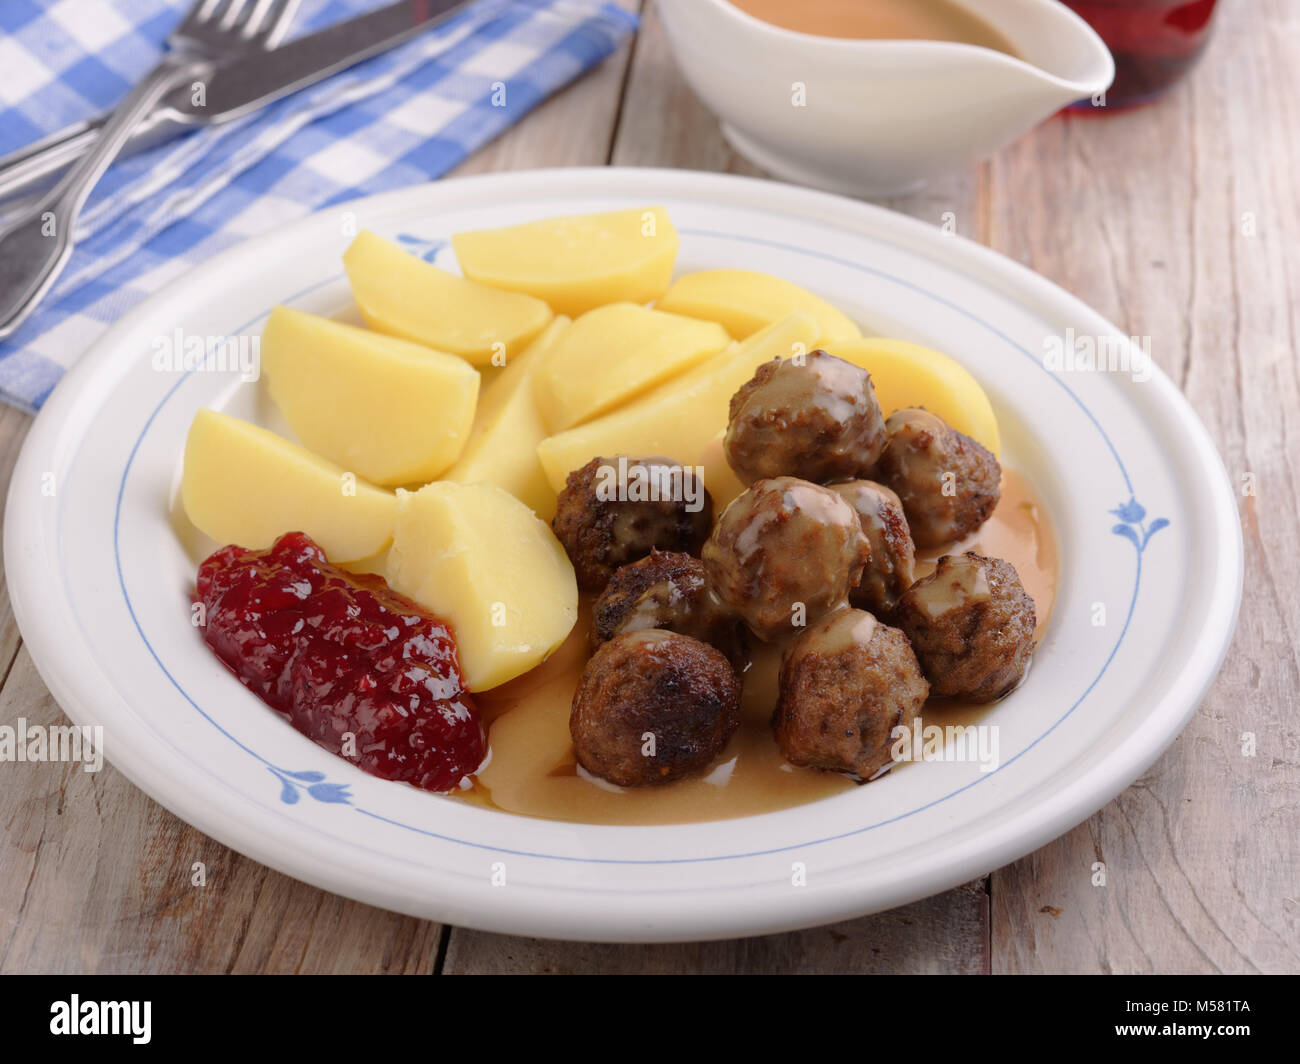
[785, 553]
[846, 684]
[615, 510]
[653, 707]
[891, 569]
[948, 483]
[816, 418]
[972, 626]
[665, 590]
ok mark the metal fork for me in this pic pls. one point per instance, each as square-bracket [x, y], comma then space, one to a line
[35, 246]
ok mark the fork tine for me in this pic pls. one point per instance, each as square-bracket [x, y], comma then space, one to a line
[254, 18]
[221, 13]
[223, 25]
[269, 23]
[202, 13]
[230, 16]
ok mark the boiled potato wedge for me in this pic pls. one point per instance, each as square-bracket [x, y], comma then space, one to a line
[481, 560]
[578, 263]
[242, 484]
[502, 447]
[613, 353]
[720, 479]
[908, 375]
[402, 295]
[391, 411]
[680, 417]
[744, 301]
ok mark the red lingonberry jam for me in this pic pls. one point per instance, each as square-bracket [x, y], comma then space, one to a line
[343, 653]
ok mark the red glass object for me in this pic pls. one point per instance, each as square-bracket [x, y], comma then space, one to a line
[1154, 42]
[340, 653]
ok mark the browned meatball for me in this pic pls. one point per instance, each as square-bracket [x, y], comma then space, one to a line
[948, 483]
[784, 553]
[665, 590]
[615, 510]
[846, 684]
[816, 418]
[972, 626]
[653, 707]
[891, 569]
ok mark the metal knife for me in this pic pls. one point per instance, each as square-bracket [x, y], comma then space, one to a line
[236, 88]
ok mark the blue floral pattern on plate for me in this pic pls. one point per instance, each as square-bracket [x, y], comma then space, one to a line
[1132, 526]
[291, 783]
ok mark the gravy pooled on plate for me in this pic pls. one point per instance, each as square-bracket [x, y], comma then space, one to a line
[533, 771]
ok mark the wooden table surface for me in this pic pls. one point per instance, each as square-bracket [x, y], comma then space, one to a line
[1180, 221]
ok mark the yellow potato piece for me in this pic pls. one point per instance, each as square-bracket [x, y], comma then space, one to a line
[481, 560]
[390, 411]
[744, 301]
[242, 484]
[578, 263]
[907, 375]
[502, 447]
[613, 353]
[402, 295]
[680, 417]
[720, 480]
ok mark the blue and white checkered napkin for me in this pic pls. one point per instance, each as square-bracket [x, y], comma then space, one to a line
[404, 117]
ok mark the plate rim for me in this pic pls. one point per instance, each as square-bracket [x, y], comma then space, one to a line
[1010, 278]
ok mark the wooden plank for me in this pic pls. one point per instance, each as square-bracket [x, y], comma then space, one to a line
[1145, 215]
[662, 122]
[573, 128]
[938, 935]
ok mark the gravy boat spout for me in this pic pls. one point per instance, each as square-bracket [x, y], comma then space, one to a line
[880, 117]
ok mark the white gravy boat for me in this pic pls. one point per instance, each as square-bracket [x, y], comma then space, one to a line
[879, 117]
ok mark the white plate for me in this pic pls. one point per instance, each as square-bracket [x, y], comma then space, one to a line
[100, 579]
